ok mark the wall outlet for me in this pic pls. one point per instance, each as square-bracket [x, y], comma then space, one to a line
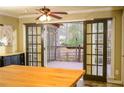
[116, 72]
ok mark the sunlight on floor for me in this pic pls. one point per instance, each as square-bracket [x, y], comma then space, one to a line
[67, 65]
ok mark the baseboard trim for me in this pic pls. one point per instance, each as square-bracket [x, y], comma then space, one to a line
[115, 82]
[109, 81]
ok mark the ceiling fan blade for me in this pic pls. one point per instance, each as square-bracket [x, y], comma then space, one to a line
[55, 16]
[29, 13]
[38, 17]
[59, 12]
[39, 10]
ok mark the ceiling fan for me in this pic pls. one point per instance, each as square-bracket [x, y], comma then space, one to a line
[46, 13]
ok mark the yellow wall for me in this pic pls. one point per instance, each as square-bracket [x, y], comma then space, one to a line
[117, 15]
[15, 23]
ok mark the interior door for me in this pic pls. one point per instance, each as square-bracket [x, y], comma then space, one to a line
[95, 50]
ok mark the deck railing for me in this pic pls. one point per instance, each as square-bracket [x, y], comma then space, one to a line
[62, 53]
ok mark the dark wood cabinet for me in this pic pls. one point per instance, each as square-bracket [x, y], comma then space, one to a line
[17, 59]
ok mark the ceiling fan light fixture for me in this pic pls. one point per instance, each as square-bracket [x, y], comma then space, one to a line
[48, 18]
[46, 14]
[45, 18]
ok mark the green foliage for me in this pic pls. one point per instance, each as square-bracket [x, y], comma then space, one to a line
[75, 36]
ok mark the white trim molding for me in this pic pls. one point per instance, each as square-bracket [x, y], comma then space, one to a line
[115, 82]
[122, 61]
[111, 78]
[113, 49]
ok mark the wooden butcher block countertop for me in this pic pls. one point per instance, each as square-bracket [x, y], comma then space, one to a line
[27, 76]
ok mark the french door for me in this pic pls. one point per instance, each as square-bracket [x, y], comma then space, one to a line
[34, 45]
[95, 50]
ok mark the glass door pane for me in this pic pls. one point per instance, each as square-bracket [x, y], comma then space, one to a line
[94, 38]
[88, 49]
[94, 70]
[89, 28]
[88, 70]
[89, 38]
[94, 28]
[100, 27]
[94, 49]
[94, 59]
[29, 31]
[100, 38]
[89, 59]
[100, 71]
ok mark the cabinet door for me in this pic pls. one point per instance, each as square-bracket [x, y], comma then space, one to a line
[15, 60]
[7, 61]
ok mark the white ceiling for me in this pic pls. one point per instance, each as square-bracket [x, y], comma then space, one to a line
[20, 11]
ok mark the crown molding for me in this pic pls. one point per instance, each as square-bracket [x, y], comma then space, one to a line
[90, 10]
[7, 14]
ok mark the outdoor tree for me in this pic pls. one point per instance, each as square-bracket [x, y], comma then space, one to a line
[75, 36]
